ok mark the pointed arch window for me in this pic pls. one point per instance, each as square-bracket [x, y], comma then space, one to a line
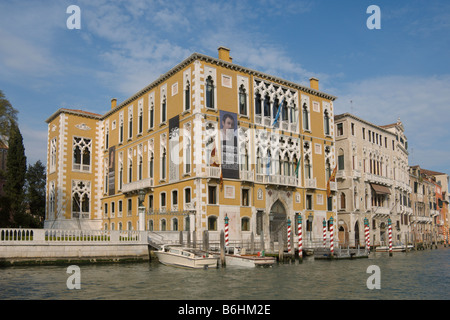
[307, 168]
[305, 117]
[82, 154]
[164, 110]
[258, 104]
[242, 101]
[326, 123]
[187, 96]
[210, 93]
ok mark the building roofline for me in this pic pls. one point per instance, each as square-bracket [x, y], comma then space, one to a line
[198, 56]
[344, 115]
[76, 112]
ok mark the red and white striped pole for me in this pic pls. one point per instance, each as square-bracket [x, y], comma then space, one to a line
[366, 226]
[331, 236]
[226, 230]
[390, 236]
[324, 233]
[289, 235]
[300, 240]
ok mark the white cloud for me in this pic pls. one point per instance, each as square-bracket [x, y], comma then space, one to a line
[421, 103]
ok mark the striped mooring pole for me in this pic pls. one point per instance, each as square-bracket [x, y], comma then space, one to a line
[226, 230]
[390, 236]
[331, 236]
[366, 226]
[300, 240]
[289, 235]
[324, 233]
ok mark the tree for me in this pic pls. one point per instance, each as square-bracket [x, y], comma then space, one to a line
[35, 194]
[16, 168]
[8, 115]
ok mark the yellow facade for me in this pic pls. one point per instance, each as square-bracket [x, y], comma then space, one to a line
[168, 156]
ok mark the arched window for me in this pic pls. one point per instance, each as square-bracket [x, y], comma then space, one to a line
[305, 117]
[164, 110]
[209, 92]
[307, 168]
[150, 225]
[163, 163]
[174, 224]
[163, 225]
[245, 224]
[242, 101]
[150, 164]
[212, 223]
[284, 111]
[258, 104]
[187, 96]
[341, 159]
[326, 123]
[286, 166]
[267, 106]
[342, 200]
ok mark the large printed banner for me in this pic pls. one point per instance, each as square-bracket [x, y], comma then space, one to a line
[229, 144]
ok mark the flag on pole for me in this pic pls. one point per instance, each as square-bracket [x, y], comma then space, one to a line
[296, 169]
[214, 160]
[332, 178]
[278, 113]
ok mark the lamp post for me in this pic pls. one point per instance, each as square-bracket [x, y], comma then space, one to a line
[141, 210]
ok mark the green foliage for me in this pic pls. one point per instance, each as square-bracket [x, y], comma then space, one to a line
[8, 115]
[35, 195]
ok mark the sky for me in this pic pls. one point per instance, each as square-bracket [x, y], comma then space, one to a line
[401, 70]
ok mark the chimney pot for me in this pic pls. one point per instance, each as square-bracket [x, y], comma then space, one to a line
[113, 103]
[314, 83]
[224, 54]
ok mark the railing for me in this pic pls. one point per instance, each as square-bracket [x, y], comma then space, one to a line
[213, 172]
[246, 175]
[13, 235]
[311, 183]
[137, 185]
[277, 179]
[378, 179]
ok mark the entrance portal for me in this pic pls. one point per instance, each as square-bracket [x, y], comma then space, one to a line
[278, 223]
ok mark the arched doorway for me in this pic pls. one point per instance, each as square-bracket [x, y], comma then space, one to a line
[343, 234]
[278, 223]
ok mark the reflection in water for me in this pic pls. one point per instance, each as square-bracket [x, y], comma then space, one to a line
[413, 275]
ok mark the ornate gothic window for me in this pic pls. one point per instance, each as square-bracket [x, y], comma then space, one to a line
[82, 154]
[242, 101]
[81, 198]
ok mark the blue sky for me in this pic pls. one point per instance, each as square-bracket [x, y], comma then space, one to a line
[399, 71]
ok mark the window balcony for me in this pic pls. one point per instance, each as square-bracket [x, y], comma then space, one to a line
[310, 183]
[277, 179]
[246, 175]
[213, 172]
[373, 178]
[137, 185]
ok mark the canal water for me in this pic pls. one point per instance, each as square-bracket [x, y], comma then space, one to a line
[418, 275]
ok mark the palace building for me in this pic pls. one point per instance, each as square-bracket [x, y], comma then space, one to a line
[207, 140]
[373, 181]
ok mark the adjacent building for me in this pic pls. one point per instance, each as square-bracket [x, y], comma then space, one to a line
[207, 141]
[372, 180]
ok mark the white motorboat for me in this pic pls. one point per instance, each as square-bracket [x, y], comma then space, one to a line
[185, 257]
[395, 248]
[239, 258]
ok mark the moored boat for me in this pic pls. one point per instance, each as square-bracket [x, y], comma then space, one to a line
[185, 257]
[239, 258]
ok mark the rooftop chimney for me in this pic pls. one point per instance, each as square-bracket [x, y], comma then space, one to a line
[314, 83]
[113, 103]
[224, 54]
